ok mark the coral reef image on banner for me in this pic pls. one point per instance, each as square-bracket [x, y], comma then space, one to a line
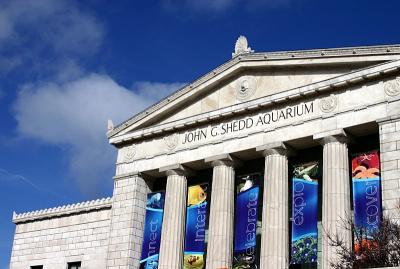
[196, 219]
[246, 215]
[152, 230]
[304, 242]
[366, 196]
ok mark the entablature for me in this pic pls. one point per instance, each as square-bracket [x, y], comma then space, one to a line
[304, 92]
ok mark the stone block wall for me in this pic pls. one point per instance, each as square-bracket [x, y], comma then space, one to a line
[53, 240]
[126, 228]
[389, 132]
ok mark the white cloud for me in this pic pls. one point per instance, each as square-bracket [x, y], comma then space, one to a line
[68, 107]
[75, 113]
[33, 31]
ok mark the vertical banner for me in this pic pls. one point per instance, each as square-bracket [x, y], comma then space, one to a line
[304, 244]
[246, 214]
[366, 194]
[196, 217]
[152, 230]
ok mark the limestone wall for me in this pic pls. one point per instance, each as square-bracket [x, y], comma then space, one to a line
[389, 133]
[53, 239]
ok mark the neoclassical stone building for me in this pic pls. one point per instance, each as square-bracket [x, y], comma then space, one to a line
[258, 114]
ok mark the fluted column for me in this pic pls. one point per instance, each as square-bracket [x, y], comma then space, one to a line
[173, 227]
[220, 234]
[335, 192]
[275, 216]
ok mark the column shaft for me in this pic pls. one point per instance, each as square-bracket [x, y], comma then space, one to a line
[336, 197]
[172, 234]
[275, 226]
[220, 236]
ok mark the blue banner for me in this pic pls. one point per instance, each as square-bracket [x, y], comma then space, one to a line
[367, 204]
[196, 219]
[304, 245]
[152, 230]
[366, 196]
[246, 215]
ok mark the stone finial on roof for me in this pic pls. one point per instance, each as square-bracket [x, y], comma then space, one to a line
[110, 125]
[241, 47]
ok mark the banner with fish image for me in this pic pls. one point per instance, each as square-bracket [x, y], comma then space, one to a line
[152, 230]
[246, 215]
[196, 219]
[304, 243]
[366, 196]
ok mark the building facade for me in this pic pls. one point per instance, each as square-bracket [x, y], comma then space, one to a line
[259, 121]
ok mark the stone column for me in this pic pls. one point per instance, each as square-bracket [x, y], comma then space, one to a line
[275, 216]
[335, 191]
[173, 227]
[220, 233]
[389, 137]
[127, 221]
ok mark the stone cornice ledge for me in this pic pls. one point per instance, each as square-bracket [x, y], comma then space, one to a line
[278, 98]
[63, 210]
[262, 56]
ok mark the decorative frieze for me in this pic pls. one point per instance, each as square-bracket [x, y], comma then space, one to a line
[328, 104]
[245, 88]
[171, 141]
[392, 88]
[129, 153]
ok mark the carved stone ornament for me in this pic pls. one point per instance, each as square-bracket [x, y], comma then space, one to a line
[241, 47]
[328, 104]
[171, 141]
[245, 88]
[392, 88]
[129, 153]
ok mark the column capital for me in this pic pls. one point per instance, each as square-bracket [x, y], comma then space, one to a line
[127, 175]
[338, 135]
[176, 169]
[223, 159]
[276, 148]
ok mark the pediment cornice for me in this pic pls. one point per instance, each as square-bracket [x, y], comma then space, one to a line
[254, 60]
[353, 78]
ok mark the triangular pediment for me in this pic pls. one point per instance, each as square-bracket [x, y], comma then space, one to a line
[253, 76]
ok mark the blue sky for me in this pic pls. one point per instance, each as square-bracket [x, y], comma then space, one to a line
[67, 66]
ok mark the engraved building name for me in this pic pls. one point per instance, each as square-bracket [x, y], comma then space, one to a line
[255, 121]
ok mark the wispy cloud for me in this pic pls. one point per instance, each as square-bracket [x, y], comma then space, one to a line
[74, 114]
[6, 176]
